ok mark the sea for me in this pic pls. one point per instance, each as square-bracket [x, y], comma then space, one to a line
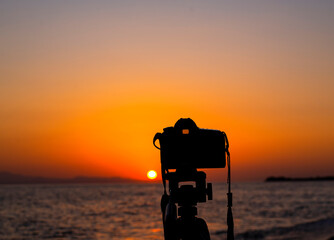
[262, 210]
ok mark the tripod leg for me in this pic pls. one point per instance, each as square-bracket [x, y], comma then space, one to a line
[195, 229]
[169, 218]
[203, 229]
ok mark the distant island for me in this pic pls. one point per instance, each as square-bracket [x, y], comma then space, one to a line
[10, 178]
[287, 179]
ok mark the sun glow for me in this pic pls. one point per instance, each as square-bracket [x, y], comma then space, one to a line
[151, 174]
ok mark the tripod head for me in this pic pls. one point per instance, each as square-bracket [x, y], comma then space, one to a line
[188, 194]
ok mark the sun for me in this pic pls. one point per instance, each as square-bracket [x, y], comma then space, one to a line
[151, 174]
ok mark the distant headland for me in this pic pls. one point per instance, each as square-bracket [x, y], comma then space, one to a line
[287, 179]
[10, 178]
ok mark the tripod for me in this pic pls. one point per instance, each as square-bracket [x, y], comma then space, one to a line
[187, 226]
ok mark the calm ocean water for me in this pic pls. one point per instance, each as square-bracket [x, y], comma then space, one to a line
[291, 210]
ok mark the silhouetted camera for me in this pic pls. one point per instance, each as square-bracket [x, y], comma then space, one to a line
[185, 146]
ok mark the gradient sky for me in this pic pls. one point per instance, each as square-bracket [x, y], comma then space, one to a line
[85, 85]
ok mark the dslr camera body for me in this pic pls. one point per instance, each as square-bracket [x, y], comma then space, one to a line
[186, 146]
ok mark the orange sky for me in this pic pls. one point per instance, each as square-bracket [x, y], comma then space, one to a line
[85, 85]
